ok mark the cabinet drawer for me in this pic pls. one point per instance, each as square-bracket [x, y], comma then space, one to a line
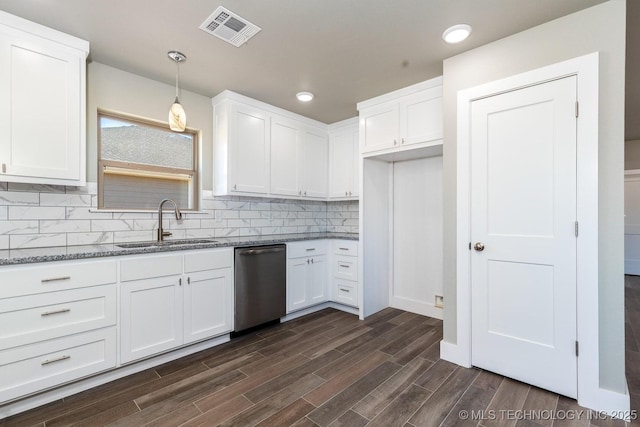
[36, 367]
[49, 277]
[346, 293]
[208, 260]
[345, 268]
[345, 247]
[33, 318]
[307, 248]
[146, 267]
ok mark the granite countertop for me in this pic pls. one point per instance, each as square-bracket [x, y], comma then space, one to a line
[62, 253]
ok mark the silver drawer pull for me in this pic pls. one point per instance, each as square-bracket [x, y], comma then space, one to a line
[57, 359]
[56, 279]
[344, 249]
[345, 290]
[343, 265]
[311, 249]
[49, 313]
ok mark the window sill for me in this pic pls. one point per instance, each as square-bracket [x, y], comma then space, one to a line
[184, 211]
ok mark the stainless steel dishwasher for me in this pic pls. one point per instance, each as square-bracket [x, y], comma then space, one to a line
[260, 285]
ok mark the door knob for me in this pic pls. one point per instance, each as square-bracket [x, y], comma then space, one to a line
[479, 246]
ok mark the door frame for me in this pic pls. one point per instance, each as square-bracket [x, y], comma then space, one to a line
[586, 69]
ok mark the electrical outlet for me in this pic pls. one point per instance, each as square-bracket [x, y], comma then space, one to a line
[439, 301]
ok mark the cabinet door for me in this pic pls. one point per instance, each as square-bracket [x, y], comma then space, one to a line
[421, 117]
[317, 280]
[379, 127]
[208, 303]
[42, 111]
[249, 150]
[285, 145]
[151, 317]
[315, 164]
[342, 163]
[297, 295]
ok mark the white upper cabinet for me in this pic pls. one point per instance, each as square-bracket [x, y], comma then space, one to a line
[42, 104]
[407, 118]
[263, 150]
[286, 137]
[344, 161]
[242, 149]
[314, 164]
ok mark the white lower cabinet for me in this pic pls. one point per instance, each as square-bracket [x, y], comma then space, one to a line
[182, 299]
[307, 274]
[344, 273]
[57, 324]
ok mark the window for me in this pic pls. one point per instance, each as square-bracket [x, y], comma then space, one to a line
[141, 162]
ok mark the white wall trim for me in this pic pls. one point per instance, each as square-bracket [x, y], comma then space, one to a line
[586, 69]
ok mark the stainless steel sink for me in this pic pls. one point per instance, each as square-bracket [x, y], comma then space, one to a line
[183, 242]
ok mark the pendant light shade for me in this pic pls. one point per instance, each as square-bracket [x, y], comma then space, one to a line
[177, 116]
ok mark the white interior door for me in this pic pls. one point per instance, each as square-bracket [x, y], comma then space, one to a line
[523, 205]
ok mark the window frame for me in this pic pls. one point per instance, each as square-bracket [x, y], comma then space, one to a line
[147, 168]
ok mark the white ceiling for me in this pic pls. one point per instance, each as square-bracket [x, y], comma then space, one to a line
[343, 51]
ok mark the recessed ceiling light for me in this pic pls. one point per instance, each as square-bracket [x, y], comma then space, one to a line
[456, 33]
[304, 96]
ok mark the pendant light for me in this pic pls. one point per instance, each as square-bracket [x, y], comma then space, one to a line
[177, 116]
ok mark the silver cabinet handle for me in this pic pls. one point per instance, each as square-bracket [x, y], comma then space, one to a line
[346, 193]
[180, 281]
[57, 359]
[56, 279]
[311, 260]
[345, 290]
[235, 186]
[403, 140]
[300, 193]
[479, 246]
[343, 265]
[344, 249]
[349, 192]
[307, 261]
[311, 249]
[395, 142]
[189, 280]
[305, 193]
[49, 313]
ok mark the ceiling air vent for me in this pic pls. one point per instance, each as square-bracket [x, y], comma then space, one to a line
[229, 27]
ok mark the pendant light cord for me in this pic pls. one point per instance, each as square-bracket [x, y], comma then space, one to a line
[177, 77]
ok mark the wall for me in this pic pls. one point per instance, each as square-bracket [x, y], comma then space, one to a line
[632, 154]
[47, 215]
[600, 28]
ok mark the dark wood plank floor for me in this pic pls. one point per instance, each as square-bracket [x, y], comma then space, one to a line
[324, 369]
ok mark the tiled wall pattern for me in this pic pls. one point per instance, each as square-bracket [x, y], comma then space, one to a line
[33, 216]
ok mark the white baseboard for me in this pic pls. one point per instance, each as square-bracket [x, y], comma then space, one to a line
[319, 307]
[30, 402]
[609, 402]
[455, 354]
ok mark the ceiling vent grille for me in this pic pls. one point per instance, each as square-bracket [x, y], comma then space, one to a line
[229, 27]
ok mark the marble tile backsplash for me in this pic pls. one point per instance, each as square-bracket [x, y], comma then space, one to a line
[33, 216]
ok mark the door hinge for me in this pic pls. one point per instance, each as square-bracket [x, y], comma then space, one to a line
[469, 245]
[577, 349]
[577, 108]
[576, 228]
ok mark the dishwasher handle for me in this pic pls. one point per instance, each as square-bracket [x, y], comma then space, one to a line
[260, 251]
